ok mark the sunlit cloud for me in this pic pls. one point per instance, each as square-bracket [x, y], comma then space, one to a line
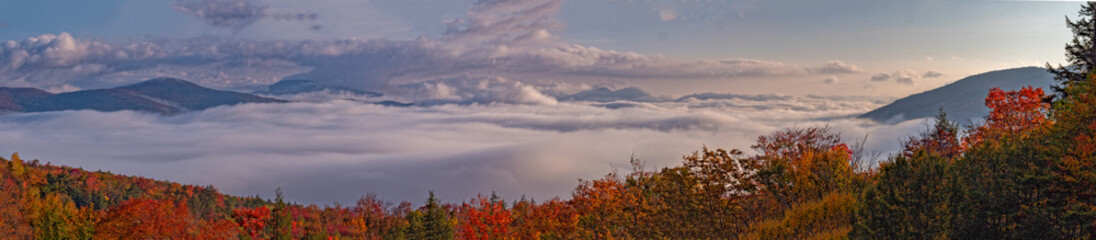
[352, 148]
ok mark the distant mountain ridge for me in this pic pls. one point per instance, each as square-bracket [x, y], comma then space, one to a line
[604, 94]
[964, 99]
[166, 96]
[296, 86]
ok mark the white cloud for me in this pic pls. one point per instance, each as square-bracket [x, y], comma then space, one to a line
[506, 39]
[506, 22]
[836, 67]
[932, 74]
[488, 118]
[830, 80]
[337, 151]
[232, 14]
[49, 61]
[469, 89]
[906, 77]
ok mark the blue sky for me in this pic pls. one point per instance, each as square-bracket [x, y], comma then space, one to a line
[957, 38]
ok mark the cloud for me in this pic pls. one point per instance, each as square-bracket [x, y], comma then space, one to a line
[830, 80]
[231, 14]
[503, 39]
[836, 67]
[907, 77]
[299, 17]
[506, 22]
[744, 6]
[63, 61]
[470, 89]
[340, 150]
[932, 74]
[295, 17]
[667, 14]
[488, 117]
[880, 77]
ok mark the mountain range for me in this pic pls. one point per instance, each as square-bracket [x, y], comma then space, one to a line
[166, 96]
[604, 94]
[296, 86]
[964, 99]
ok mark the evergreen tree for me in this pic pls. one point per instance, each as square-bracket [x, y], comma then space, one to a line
[1069, 175]
[1081, 52]
[430, 222]
[911, 195]
[909, 200]
[281, 220]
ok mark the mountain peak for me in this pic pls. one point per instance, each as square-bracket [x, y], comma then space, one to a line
[963, 99]
[604, 94]
[161, 82]
[159, 95]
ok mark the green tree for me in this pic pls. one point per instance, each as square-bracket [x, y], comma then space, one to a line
[908, 200]
[280, 223]
[1069, 188]
[1001, 181]
[1081, 52]
[911, 195]
[703, 198]
[431, 222]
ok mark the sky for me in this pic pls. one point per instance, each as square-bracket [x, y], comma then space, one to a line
[951, 39]
[491, 79]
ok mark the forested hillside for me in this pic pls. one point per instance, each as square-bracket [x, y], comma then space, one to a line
[1027, 172]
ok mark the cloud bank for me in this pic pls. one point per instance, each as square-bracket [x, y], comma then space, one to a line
[487, 113]
[496, 39]
[339, 150]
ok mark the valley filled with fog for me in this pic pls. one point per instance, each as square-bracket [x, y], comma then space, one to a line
[538, 150]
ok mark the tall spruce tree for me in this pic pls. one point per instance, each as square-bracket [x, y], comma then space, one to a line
[281, 222]
[431, 222]
[910, 199]
[1081, 52]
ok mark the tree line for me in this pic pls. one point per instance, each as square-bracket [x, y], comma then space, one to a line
[1028, 171]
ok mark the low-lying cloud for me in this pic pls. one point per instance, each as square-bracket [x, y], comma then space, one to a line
[487, 114]
[340, 150]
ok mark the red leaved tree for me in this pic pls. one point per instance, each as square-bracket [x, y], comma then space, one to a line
[484, 219]
[252, 220]
[1011, 113]
[145, 219]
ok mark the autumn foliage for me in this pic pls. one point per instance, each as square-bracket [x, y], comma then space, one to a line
[1028, 172]
[1011, 113]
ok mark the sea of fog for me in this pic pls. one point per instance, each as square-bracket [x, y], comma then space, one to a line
[337, 151]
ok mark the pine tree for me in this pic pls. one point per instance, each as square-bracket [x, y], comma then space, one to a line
[1081, 52]
[910, 198]
[431, 222]
[281, 220]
